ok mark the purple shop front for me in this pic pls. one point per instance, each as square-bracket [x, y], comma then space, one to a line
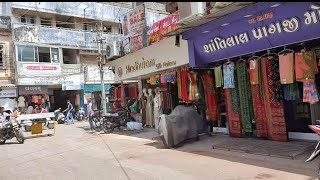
[259, 27]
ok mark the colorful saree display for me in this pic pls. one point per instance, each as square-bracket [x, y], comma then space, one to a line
[211, 99]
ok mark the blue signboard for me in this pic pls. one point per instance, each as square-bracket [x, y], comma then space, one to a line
[89, 88]
[262, 26]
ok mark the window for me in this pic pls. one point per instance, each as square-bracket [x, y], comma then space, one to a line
[27, 19]
[89, 27]
[37, 54]
[44, 54]
[45, 22]
[26, 54]
[1, 56]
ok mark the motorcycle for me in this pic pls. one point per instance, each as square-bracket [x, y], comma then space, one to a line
[316, 152]
[116, 120]
[81, 114]
[59, 116]
[10, 129]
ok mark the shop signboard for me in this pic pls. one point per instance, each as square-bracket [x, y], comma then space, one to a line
[38, 69]
[71, 69]
[89, 88]
[259, 27]
[8, 92]
[151, 59]
[27, 90]
[92, 74]
[136, 42]
[72, 82]
[166, 25]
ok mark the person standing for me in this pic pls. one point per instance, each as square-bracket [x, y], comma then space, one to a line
[90, 113]
[69, 114]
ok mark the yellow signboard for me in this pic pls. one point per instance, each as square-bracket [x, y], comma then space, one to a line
[36, 128]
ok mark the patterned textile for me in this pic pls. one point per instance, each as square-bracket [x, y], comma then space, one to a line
[211, 99]
[158, 79]
[274, 110]
[306, 66]
[184, 90]
[254, 71]
[277, 88]
[179, 84]
[162, 79]
[245, 97]
[310, 93]
[234, 96]
[153, 80]
[201, 87]
[232, 117]
[260, 116]
[291, 91]
[228, 75]
[286, 68]
[218, 76]
[133, 92]
[168, 77]
[193, 89]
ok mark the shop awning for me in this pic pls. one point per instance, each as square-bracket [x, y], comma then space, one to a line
[8, 86]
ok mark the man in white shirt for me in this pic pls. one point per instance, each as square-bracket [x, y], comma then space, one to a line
[90, 113]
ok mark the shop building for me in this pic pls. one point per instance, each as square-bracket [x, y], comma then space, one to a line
[153, 67]
[262, 64]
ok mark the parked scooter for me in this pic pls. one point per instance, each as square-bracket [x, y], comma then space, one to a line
[10, 129]
[59, 116]
[316, 152]
[80, 114]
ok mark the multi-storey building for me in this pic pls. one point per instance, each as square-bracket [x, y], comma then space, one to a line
[50, 48]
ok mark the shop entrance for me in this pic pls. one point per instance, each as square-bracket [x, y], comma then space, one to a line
[62, 96]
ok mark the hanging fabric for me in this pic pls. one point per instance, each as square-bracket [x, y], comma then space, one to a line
[306, 66]
[228, 75]
[286, 68]
[158, 79]
[163, 79]
[310, 93]
[274, 110]
[260, 116]
[179, 84]
[211, 99]
[193, 89]
[277, 88]
[218, 76]
[246, 108]
[153, 80]
[184, 76]
[254, 71]
[232, 116]
[200, 86]
[291, 91]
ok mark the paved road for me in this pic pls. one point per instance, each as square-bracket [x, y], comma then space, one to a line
[75, 153]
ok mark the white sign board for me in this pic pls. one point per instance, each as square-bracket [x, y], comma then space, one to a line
[39, 69]
[92, 74]
[151, 59]
[73, 82]
[6, 93]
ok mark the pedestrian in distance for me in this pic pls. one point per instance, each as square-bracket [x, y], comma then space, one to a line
[90, 113]
[69, 113]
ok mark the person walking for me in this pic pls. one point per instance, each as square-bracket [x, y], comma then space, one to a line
[69, 114]
[90, 113]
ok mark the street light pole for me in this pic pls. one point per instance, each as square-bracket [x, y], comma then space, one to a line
[100, 63]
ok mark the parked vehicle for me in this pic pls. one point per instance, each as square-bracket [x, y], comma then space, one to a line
[10, 129]
[117, 120]
[316, 152]
[80, 114]
[59, 116]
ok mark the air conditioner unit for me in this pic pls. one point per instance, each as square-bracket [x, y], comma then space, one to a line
[114, 50]
[191, 11]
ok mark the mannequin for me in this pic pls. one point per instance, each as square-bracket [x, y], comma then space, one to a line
[149, 109]
[157, 102]
[142, 105]
[21, 103]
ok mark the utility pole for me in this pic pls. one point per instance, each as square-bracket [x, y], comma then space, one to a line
[99, 40]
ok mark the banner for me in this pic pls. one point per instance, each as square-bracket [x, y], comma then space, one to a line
[73, 82]
[5, 93]
[136, 42]
[30, 69]
[163, 27]
[89, 88]
[269, 25]
[29, 90]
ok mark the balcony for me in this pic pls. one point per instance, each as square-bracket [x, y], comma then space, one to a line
[89, 10]
[59, 36]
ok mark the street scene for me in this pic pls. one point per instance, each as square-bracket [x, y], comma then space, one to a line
[159, 90]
